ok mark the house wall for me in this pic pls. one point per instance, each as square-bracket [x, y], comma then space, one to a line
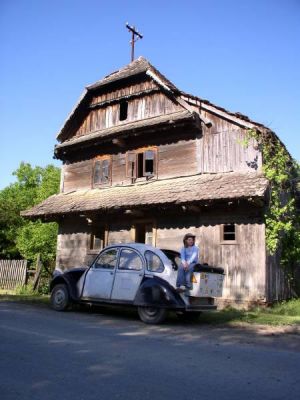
[243, 262]
[145, 100]
[218, 149]
[72, 242]
[277, 286]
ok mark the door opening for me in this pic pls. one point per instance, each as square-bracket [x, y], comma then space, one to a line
[144, 233]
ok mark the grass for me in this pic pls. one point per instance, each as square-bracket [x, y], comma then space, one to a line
[23, 297]
[284, 313]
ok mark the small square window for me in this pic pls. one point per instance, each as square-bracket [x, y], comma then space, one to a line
[228, 233]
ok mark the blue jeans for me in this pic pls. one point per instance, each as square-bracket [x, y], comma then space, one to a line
[184, 277]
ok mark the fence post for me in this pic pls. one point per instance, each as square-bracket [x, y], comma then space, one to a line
[37, 275]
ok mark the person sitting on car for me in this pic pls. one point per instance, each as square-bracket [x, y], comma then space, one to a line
[189, 255]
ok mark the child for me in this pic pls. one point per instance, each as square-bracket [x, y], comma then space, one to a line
[189, 257]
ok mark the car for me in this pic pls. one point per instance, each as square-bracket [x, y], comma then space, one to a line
[136, 274]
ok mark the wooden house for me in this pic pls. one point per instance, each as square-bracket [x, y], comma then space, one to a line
[146, 162]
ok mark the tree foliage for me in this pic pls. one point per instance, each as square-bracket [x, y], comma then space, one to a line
[281, 217]
[18, 236]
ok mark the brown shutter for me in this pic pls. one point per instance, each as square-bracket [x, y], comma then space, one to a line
[97, 173]
[131, 164]
[105, 171]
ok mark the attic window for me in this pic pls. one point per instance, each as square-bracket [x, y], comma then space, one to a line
[228, 233]
[123, 110]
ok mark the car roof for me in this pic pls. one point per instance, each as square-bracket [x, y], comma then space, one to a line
[136, 246]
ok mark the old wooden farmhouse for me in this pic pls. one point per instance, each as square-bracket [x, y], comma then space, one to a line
[144, 161]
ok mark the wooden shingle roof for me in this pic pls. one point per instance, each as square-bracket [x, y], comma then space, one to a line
[182, 190]
[138, 66]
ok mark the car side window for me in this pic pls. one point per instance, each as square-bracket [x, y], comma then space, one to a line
[154, 263]
[130, 260]
[107, 260]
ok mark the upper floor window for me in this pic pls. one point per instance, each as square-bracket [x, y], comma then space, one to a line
[102, 171]
[141, 163]
[123, 112]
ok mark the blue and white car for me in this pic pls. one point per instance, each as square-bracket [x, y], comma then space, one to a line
[137, 275]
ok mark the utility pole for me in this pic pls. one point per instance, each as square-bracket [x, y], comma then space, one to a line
[135, 35]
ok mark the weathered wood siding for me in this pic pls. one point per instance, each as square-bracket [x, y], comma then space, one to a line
[224, 147]
[119, 233]
[243, 262]
[139, 108]
[72, 243]
[77, 175]
[277, 284]
[210, 153]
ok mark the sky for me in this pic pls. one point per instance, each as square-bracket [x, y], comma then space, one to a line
[243, 55]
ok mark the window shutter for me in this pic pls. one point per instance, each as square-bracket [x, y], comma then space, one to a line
[105, 178]
[97, 173]
[131, 165]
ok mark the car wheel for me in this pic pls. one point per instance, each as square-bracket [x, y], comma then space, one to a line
[60, 299]
[152, 315]
[189, 316]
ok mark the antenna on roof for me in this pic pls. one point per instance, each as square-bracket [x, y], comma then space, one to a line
[135, 35]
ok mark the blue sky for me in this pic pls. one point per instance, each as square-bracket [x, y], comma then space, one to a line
[241, 55]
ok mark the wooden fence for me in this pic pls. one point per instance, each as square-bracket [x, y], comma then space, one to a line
[12, 273]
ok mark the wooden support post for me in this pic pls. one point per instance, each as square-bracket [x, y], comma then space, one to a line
[37, 275]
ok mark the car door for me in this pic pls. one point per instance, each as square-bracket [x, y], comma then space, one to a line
[129, 275]
[100, 277]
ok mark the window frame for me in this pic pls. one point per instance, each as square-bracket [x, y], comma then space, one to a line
[129, 269]
[101, 159]
[94, 266]
[133, 154]
[147, 264]
[228, 241]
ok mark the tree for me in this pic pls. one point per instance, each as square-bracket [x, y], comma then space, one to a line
[18, 236]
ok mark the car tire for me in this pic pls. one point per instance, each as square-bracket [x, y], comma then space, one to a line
[60, 298]
[191, 316]
[152, 315]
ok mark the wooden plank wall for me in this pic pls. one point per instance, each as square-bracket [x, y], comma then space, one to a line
[278, 287]
[244, 262]
[211, 153]
[139, 108]
[77, 175]
[223, 148]
[12, 273]
[72, 242]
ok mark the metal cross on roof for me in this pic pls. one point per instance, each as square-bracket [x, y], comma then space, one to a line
[135, 35]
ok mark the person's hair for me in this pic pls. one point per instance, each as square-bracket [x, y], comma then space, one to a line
[185, 241]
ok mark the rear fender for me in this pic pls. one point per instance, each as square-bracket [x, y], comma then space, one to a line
[156, 292]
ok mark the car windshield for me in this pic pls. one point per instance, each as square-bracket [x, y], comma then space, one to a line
[174, 257]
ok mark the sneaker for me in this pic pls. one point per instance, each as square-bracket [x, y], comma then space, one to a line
[180, 289]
